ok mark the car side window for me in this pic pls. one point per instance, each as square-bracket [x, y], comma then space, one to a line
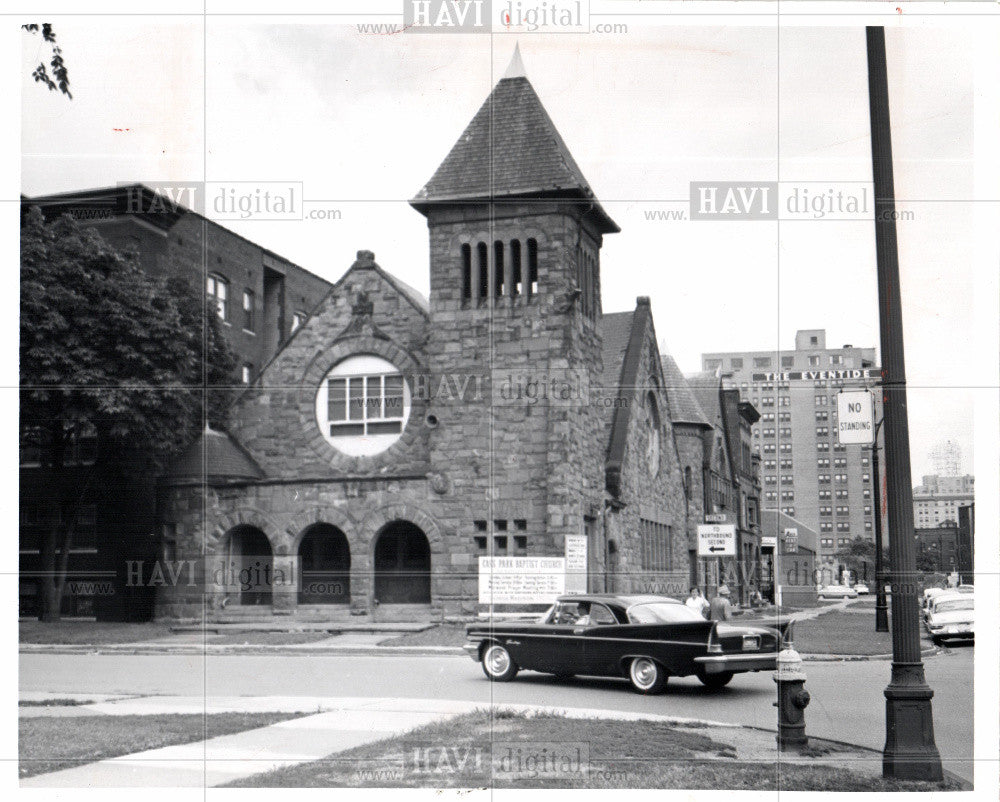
[601, 615]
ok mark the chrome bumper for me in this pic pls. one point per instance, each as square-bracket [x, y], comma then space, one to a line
[721, 663]
[472, 649]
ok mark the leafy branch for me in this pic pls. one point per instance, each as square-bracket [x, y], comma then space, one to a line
[59, 78]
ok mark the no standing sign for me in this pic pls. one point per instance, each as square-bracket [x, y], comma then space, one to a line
[855, 418]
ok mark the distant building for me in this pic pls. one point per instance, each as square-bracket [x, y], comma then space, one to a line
[729, 480]
[789, 557]
[937, 499]
[806, 473]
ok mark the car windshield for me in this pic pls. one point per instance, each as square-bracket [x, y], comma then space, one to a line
[950, 605]
[662, 613]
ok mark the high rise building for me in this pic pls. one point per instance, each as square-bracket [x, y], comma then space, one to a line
[805, 472]
[936, 499]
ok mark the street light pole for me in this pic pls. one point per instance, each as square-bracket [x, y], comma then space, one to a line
[910, 752]
[881, 608]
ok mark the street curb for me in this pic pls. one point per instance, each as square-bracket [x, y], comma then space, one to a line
[195, 650]
[333, 651]
[833, 658]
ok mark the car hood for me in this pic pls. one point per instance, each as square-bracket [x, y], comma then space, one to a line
[951, 617]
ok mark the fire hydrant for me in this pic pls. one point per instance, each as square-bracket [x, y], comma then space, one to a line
[792, 700]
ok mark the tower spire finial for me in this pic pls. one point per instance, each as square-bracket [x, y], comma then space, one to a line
[516, 67]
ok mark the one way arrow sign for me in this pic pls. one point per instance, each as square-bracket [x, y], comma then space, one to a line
[717, 540]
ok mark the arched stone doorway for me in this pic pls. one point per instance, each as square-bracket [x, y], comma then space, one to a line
[249, 565]
[402, 562]
[325, 566]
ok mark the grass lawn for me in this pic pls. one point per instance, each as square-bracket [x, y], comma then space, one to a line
[87, 632]
[440, 635]
[842, 633]
[50, 744]
[477, 750]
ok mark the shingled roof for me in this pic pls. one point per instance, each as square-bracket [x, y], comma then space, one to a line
[214, 455]
[705, 388]
[616, 331]
[511, 149]
[684, 407]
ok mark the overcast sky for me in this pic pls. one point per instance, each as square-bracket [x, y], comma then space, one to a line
[364, 120]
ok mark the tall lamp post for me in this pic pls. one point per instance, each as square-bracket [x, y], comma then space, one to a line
[910, 752]
[881, 608]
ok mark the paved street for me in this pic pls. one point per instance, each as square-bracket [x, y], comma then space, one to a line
[847, 702]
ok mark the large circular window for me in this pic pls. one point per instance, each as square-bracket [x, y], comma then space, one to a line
[362, 405]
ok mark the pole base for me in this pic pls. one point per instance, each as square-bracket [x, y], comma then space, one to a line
[910, 752]
[881, 618]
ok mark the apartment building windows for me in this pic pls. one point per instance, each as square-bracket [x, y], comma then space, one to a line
[821, 401]
[842, 492]
[824, 494]
[823, 446]
[823, 462]
[822, 431]
[826, 511]
[823, 478]
[786, 465]
[840, 478]
[822, 415]
[785, 448]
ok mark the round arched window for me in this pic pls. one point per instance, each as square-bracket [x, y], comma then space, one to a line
[362, 405]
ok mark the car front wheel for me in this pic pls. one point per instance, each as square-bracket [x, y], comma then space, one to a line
[646, 675]
[498, 664]
[716, 681]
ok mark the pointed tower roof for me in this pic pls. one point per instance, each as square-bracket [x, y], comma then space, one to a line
[511, 149]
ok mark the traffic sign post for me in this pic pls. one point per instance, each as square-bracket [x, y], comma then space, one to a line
[716, 540]
[855, 418]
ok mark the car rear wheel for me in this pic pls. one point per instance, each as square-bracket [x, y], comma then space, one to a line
[646, 675]
[498, 664]
[716, 681]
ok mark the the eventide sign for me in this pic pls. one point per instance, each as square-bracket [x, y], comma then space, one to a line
[815, 375]
[855, 418]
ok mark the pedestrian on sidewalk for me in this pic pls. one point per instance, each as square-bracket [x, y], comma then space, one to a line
[721, 609]
[697, 602]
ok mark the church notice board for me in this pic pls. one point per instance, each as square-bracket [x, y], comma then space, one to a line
[521, 580]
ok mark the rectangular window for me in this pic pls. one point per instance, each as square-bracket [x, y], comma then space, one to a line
[823, 446]
[866, 477]
[785, 448]
[836, 359]
[821, 401]
[247, 373]
[784, 401]
[217, 289]
[365, 405]
[822, 431]
[787, 361]
[532, 268]
[814, 360]
[762, 361]
[249, 304]
[655, 539]
[736, 363]
[822, 416]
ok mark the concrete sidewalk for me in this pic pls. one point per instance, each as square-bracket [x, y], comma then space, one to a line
[341, 724]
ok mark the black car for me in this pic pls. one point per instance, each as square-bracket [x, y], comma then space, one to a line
[644, 638]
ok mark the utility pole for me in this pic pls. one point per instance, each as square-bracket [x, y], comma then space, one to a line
[881, 608]
[910, 752]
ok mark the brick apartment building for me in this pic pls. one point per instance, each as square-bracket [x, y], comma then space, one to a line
[393, 441]
[262, 299]
[807, 474]
[937, 499]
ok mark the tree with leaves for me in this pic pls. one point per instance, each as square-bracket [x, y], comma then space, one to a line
[858, 556]
[59, 78]
[108, 350]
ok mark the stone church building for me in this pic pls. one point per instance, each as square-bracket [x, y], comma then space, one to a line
[394, 440]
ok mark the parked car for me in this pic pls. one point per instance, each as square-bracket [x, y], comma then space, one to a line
[837, 592]
[861, 589]
[930, 594]
[644, 638]
[951, 615]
